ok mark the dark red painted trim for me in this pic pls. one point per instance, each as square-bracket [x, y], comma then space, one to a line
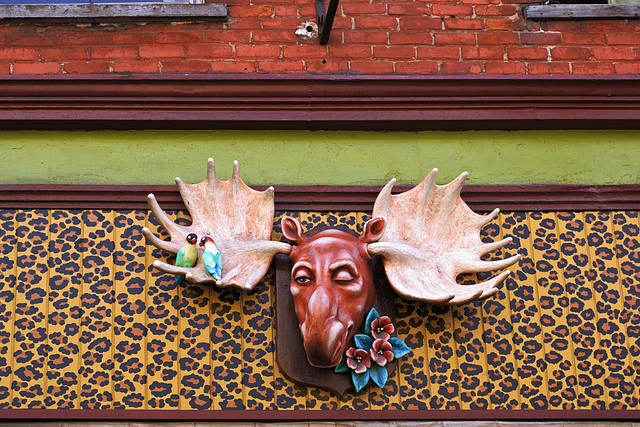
[319, 102]
[323, 198]
[315, 415]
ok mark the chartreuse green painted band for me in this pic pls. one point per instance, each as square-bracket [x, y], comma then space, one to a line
[321, 157]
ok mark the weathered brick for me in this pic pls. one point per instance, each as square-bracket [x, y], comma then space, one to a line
[548, 68]
[496, 10]
[541, 38]
[592, 68]
[490, 52]
[605, 26]
[408, 9]
[623, 39]
[455, 39]
[209, 51]
[224, 36]
[250, 11]
[466, 67]
[187, 66]
[36, 68]
[280, 66]
[626, 68]
[438, 52]
[281, 24]
[68, 54]
[613, 53]
[233, 66]
[87, 67]
[273, 36]
[366, 37]
[420, 24]
[350, 52]
[115, 52]
[570, 53]
[504, 24]
[439, 9]
[505, 68]
[306, 51]
[500, 38]
[417, 67]
[136, 67]
[371, 67]
[463, 24]
[18, 54]
[394, 52]
[376, 22]
[161, 51]
[327, 66]
[527, 53]
[258, 51]
[562, 26]
[179, 37]
[353, 9]
[285, 10]
[415, 38]
[583, 39]
[235, 24]
[5, 67]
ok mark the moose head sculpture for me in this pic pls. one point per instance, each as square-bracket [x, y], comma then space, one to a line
[426, 237]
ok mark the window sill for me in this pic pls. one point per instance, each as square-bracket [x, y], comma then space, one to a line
[582, 11]
[98, 13]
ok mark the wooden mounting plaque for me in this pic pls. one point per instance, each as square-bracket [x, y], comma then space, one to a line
[290, 353]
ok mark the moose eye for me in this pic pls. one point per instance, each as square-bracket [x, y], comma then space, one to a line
[302, 280]
[343, 276]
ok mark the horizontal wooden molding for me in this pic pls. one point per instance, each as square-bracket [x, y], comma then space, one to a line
[352, 102]
[317, 415]
[326, 198]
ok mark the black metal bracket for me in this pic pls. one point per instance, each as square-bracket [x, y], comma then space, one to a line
[324, 19]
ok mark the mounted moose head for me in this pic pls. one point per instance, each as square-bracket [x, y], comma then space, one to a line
[426, 237]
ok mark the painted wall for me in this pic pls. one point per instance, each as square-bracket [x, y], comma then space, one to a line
[302, 157]
[85, 323]
[394, 36]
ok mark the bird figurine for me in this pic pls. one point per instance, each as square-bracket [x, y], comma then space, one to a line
[211, 257]
[187, 255]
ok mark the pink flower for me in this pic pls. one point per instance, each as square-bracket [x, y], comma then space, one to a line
[382, 328]
[358, 360]
[381, 352]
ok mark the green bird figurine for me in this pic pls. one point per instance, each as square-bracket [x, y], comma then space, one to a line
[211, 257]
[187, 255]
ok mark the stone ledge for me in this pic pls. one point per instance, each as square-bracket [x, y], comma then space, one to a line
[582, 11]
[109, 12]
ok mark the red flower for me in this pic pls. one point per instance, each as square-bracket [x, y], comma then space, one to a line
[382, 328]
[358, 360]
[381, 352]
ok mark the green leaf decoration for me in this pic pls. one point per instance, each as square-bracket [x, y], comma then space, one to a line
[373, 314]
[360, 380]
[363, 341]
[342, 366]
[379, 375]
[398, 347]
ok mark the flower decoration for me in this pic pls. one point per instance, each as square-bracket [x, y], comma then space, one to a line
[381, 352]
[373, 350]
[358, 360]
[382, 328]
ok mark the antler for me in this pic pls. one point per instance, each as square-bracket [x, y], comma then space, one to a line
[431, 237]
[237, 217]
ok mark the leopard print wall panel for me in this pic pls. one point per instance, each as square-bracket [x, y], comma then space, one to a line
[85, 323]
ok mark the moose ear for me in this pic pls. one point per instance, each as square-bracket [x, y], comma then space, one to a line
[291, 229]
[373, 230]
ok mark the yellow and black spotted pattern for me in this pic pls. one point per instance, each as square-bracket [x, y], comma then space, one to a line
[85, 323]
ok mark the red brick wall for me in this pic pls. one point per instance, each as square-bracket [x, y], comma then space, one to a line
[368, 37]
